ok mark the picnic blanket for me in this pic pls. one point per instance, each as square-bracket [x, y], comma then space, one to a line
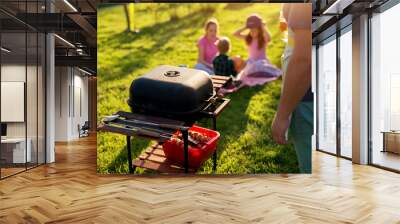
[257, 72]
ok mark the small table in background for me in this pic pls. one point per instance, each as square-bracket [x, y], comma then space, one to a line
[14, 153]
[391, 141]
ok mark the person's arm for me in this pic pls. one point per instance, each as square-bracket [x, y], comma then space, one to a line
[267, 36]
[238, 33]
[298, 75]
[283, 17]
[201, 57]
[285, 11]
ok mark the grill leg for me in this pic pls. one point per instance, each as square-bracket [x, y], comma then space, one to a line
[128, 144]
[215, 152]
[185, 134]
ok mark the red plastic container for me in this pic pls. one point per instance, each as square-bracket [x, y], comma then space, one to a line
[197, 156]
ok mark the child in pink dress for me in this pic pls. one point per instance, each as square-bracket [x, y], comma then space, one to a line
[207, 46]
[258, 69]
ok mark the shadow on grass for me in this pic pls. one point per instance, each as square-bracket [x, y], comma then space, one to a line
[232, 122]
[259, 153]
[159, 33]
[121, 160]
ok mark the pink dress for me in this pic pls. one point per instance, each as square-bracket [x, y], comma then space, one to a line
[259, 63]
[255, 53]
[209, 47]
[258, 70]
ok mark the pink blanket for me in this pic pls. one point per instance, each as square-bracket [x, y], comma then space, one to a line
[255, 73]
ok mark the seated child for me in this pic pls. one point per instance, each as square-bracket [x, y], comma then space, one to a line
[222, 64]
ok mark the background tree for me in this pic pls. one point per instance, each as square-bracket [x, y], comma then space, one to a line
[127, 16]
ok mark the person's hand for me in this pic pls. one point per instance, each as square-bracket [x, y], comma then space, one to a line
[283, 26]
[279, 127]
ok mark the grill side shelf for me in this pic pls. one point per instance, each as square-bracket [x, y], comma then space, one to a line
[152, 119]
[222, 104]
[129, 131]
[220, 81]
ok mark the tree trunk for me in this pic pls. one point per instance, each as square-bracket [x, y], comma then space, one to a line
[128, 21]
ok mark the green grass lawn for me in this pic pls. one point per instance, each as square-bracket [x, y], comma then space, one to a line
[246, 145]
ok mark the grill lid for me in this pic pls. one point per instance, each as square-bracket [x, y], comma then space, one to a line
[170, 90]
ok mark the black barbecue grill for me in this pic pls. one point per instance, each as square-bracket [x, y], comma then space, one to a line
[172, 92]
[163, 101]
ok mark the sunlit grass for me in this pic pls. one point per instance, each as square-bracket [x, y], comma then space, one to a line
[245, 145]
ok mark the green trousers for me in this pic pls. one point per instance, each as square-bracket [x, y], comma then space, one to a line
[300, 132]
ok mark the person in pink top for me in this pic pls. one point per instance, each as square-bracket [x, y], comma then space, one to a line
[257, 40]
[207, 46]
[257, 70]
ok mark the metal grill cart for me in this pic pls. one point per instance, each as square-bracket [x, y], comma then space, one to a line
[160, 129]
